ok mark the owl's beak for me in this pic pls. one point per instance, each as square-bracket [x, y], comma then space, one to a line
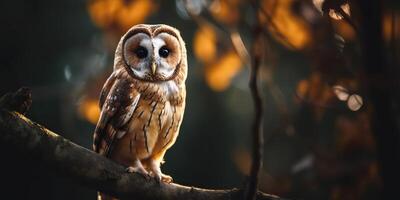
[153, 68]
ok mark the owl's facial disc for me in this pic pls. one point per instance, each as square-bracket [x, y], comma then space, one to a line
[152, 59]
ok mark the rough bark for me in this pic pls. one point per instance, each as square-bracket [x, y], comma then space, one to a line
[95, 171]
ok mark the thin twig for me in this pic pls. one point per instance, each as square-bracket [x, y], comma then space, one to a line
[240, 48]
[257, 128]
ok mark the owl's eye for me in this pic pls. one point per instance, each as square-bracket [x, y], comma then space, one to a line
[141, 52]
[164, 52]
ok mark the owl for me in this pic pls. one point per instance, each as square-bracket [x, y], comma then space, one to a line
[143, 101]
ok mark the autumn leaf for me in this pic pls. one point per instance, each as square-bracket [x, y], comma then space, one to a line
[204, 44]
[88, 109]
[225, 11]
[120, 14]
[331, 7]
[220, 73]
[285, 26]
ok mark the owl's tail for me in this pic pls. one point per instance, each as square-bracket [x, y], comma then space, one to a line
[102, 196]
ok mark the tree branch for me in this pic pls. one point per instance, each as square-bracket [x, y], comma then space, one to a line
[91, 169]
[257, 128]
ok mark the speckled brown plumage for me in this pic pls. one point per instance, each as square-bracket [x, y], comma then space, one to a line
[142, 110]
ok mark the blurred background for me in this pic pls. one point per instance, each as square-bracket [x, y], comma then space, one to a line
[319, 136]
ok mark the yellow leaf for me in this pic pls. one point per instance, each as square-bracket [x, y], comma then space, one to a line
[134, 12]
[344, 29]
[286, 26]
[119, 14]
[225, 11]
[390, 25]
[89, 110]
[338, 16]
[204, 44]
[103, 12]
[332, 13]
[219, 74]
[302, 88]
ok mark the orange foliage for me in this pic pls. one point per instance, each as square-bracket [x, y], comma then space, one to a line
[344, 29]
[302, 88]
[120, 14]
[320, 92]
[219, 70]
[204, 44]
[288, 27]
[335, 15]
[242, 159]
[387, 26]
[225, 11]
[89, 110]
[354, 132]
[315, 91]
[220, 73]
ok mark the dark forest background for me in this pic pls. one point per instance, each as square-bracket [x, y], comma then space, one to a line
[319, 115]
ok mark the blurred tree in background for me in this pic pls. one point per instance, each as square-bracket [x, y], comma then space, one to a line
[331, 118]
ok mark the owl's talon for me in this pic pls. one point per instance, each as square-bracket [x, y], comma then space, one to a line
[160, 177]
[155, 171]
[166, 178]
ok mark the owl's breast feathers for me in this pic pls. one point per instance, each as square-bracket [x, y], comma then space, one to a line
[138, 119]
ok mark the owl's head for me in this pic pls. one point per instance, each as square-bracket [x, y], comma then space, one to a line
[152, 53]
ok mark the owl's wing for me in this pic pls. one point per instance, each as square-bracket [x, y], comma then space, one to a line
[106, 88]
[119, 105]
